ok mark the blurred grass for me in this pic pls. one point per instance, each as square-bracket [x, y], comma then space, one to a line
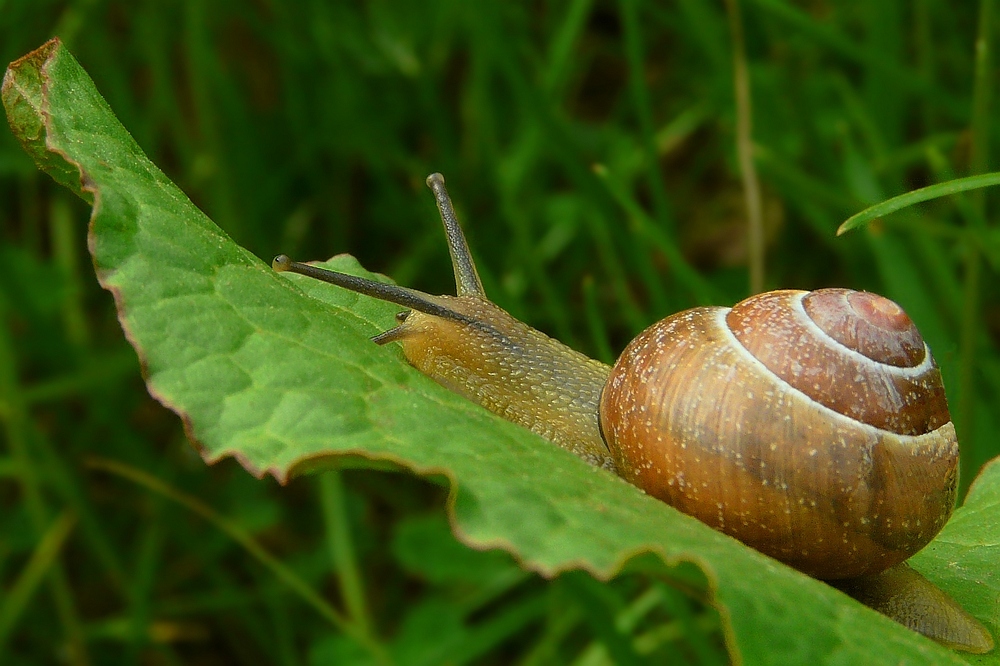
[590, 149]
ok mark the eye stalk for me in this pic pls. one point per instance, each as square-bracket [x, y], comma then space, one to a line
[408, 298]
[467, 282]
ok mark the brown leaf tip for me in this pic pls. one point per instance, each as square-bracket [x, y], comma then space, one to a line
[35, 58]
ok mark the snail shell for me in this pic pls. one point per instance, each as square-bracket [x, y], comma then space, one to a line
[812, 426]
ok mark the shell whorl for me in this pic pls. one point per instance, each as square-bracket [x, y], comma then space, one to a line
[719, 420]
[857, 353]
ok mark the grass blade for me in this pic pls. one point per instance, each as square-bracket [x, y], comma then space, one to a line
[917, 196]
[237, 534]
[744, 149]
[41, 561]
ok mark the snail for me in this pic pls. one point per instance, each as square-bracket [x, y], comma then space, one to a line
[812, 426]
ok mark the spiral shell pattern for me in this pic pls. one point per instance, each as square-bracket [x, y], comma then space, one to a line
[812, 426]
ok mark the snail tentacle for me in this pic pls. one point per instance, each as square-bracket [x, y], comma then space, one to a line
[467, 282]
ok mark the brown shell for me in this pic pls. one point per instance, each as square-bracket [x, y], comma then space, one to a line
[697, 421]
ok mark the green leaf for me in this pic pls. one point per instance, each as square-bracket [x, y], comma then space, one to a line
[917, 196]
[963, 558]
[278, 372]
[430, 633]
[425, 546]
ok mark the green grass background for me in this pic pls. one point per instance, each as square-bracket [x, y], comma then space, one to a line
[587, 145]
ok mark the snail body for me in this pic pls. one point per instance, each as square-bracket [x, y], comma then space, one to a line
[812, 426]
[546, 387]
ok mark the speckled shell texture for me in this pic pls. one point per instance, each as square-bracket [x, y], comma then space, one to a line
[812, 426]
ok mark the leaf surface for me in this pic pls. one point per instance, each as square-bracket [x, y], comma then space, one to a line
[278, 371]
[964, 559]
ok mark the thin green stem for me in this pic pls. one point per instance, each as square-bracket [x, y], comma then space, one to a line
[924, 45]
[806, 26]
[979, 163]
[237, 534]
[65, 237]
[595, 322]
[643, 110]
[948, 187]
[686, 275]
[148, 555]
[13, 414]
[559, 623]
[967, 346]
[341, 545]
[982, 96]
[562, 48]
[744, 149]
[98, 370]
[44, 557]
[206, 101]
